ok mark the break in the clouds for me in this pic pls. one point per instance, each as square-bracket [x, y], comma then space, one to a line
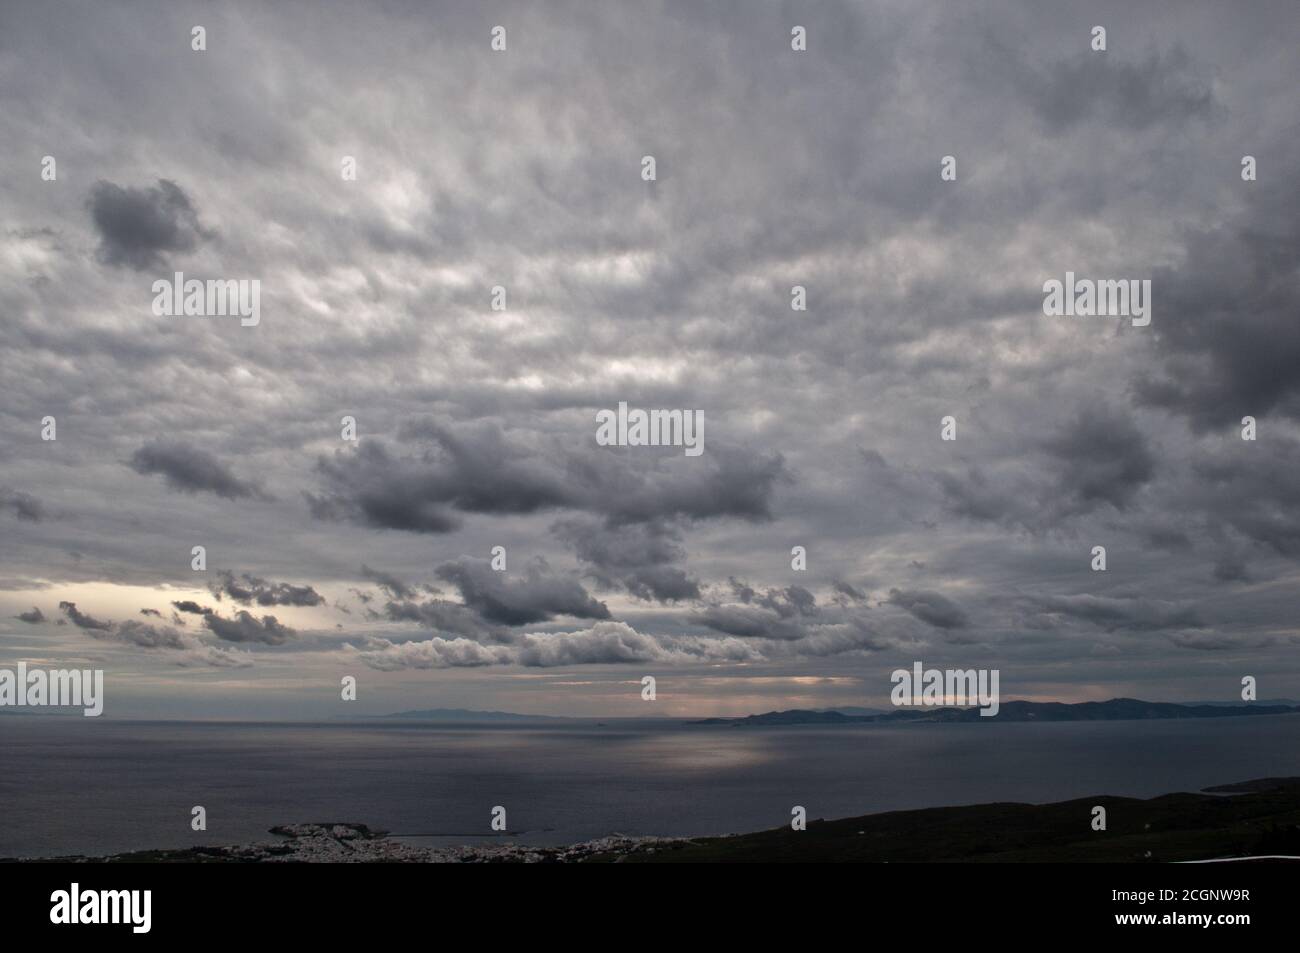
[1129, 612]
[475, 426]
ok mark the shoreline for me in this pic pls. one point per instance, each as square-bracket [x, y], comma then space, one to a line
[1245, 819]
[352, 843]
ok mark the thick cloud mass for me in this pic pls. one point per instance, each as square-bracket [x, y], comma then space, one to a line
[358, 464]
[22, 505]
[249, 589]
[930, 607]
[244, 627]
[639, 557]
[138, 226]
[536, 597]
[190, 469]
[481, 470]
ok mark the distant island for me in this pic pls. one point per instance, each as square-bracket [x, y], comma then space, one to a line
[1245, 820]
[1116, 709]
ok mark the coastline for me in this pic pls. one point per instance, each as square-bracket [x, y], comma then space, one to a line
[1246, 819]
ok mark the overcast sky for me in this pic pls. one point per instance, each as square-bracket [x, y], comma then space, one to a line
[477, 428]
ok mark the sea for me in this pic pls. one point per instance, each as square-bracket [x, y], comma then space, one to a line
[71, 785]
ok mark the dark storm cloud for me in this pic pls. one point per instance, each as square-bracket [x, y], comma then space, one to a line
[1168, 538]
[477, 471]
[638, 557]
[974, 495]
[1230, 567]
[1216, 641]
[1230, 344]
[190, 470]
[248, 589]
[81, 620]
[1252, 489]
[152, 612]
[932, 607]
[783, 614]
[189, 605]
[35, 616]
[537, 596]
[22, 505]
[735, 483]
[389, 583]
[661, 583]
[443, 615]
[1116, 613]
[787, 602]
[1101, 457]
[740, 590]
[482, 469]
[849, 590]
[748, 622]
[1160, 89]
[1097, 458]
[139, 227]
[787, 623]
[243, 627]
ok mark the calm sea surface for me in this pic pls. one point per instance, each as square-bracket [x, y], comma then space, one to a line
[78, 785]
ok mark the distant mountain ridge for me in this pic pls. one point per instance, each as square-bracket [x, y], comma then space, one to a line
[467, 714]
[1116, 709]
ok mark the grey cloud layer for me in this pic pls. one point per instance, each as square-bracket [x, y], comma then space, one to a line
[476, 427]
